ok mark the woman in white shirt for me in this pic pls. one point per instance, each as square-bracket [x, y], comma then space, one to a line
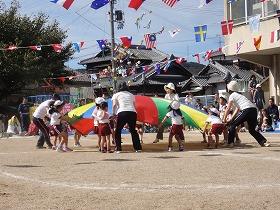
[245, 111]
[38, 119]
[172, 96]
[124, 108]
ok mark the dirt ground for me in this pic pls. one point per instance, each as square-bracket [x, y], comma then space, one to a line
[245, 177]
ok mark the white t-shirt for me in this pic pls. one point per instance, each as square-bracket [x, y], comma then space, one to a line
[240, 101]
[94, 115]
[42, 109]
[102, 116]
[214, 120]
[55, 118]
[172, 97]
[175, 120]
[125, 101]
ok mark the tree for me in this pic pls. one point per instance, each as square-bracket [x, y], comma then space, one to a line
[25, 66]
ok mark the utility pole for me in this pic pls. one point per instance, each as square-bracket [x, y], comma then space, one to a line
[112, 2]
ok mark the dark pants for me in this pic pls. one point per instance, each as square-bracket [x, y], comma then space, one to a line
[24, 122]
[250, 116]
[160, 133]
[130, 119]
[44, 134]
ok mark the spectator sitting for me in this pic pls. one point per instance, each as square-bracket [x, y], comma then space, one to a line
[272, 110]
[13, 126]
[267, 122]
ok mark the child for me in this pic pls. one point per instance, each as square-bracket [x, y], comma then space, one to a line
[267, 122]
[13, 126]
[57, 127]
[140, 130]
[104, 127]
[98, 101]
[178, 125]
[217, 127]
[77, 137]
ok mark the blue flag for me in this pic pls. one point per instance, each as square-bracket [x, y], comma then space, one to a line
[99, 3]
[102, 44]
[157, 67]
[200, 33]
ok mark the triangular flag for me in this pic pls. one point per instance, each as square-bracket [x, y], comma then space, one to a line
[36, 48]
[203, 3]
[208, 55]
[98, 4]
[174, 32]
[65, 3]
[135, 4]
[157, 68]
[180, 60]
[102, 44]
[197, 57]
[57, 47]
[257, 42]
[12, 47]
[62, 79]
[126, 41]
[145, 68]
[238, 46]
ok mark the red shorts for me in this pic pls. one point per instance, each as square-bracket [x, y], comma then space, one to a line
[104, 129]
[177, 130]
[217, 129]
[95, 129]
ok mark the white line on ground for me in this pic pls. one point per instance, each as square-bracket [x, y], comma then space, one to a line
[142, 187]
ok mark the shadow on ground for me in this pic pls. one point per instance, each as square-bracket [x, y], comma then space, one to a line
[22, 166]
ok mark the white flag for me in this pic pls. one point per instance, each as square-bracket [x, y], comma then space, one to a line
[93, 77]
[174, 32]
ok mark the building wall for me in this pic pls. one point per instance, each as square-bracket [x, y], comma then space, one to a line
[82, 92]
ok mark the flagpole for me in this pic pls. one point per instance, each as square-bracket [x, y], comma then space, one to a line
[113, 44]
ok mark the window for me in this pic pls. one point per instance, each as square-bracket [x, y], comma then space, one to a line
[240, 11]
[270, 7]
[254, 7]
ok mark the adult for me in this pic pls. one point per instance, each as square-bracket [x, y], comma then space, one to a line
[252, 86]
[170, 95]
[23, 110]
[190, 100]
[245, 111]
[216, 101]
[124, 108]
[259, 97]
[272, 110]
[38, 119]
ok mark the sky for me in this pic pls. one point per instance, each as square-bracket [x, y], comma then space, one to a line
[85, 24]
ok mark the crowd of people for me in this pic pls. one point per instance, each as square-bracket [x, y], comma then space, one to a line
[227, 114]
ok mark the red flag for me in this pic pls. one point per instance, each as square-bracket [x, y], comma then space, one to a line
[135, 4]
[197, 57]
[37, 48]
[57, 47]
[227, 27]
[126, 41]
[208, 55]
[180, 60]
[62, 79]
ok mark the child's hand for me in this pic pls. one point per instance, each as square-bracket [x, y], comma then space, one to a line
[160, 125]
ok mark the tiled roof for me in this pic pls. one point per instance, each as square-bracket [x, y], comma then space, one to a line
[192, 67]
[139, 54]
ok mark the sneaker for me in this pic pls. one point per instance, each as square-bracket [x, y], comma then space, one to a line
[54, 147]
[169, 149]
[118, 151]
[266, 144]
[237, 142]
[155, 141]
[50, 147]
[59, 149]
[77, 145]
[66, 149]
[138, 151]
[40, 147]
[181, 149]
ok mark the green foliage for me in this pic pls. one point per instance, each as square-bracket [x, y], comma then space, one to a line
[25, 66]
